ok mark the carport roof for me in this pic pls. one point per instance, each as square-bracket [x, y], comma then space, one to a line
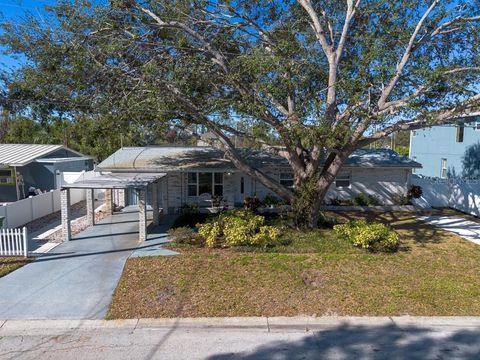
[115, 181]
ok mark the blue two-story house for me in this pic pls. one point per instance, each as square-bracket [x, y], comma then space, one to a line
[448, 151]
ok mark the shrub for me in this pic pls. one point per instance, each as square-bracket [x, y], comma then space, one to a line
[188, 209]
[189, 216]
[335, 201]
[400, 200]
[348, 202]
[371, 236]
[415, 192]
[326, 222]
[251, 203]
[185, 235]
[189, 220]
[271, 200]
[361, 200]
[372, 200]
[238, 228]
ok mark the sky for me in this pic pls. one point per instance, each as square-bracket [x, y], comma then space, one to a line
[13, 10]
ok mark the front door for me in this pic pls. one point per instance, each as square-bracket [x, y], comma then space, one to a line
[242, 188]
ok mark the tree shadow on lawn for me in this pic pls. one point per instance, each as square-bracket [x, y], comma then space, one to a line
[372, 342]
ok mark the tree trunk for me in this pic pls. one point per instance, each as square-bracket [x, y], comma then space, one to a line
[315, 206]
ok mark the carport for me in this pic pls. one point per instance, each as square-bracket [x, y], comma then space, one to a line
[111, 182]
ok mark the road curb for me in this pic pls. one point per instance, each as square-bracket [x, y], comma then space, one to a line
[262, 324]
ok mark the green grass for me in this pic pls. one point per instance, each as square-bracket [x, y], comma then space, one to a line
[433, 273]
[9, 264]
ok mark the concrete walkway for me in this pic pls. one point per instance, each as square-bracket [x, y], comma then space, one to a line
[466, 229]
[77, 279]
[245, 338]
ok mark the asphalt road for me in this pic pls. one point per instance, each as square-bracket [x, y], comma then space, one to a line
[254, 338]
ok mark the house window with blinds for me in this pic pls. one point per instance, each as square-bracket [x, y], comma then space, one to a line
[204, 183]
[343, 179]
[286, 179]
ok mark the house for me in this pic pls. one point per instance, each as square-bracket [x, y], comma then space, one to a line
[194, 174]
[25, 166]
[169, 177]
[447, 151]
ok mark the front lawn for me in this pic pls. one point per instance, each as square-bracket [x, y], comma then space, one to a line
[433, 273]
[9, 264]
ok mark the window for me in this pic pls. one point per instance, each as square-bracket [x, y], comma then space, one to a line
[205, 183]
[342, 180]
[477, 126]
[218, 184]
[242, 185]
[443, 169]
[6, 177]
[414, 133]
[192, 184]
[286, 179]
[460, 133]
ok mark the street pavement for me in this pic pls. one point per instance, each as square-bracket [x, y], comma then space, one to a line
[244, 338]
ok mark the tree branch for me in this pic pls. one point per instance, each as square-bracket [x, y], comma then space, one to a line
[406, 56]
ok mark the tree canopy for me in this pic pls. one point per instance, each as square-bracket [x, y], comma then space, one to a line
[310, 80]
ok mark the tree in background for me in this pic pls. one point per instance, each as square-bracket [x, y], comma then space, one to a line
[319, 79]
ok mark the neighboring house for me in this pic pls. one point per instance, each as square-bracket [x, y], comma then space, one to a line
[447, 151]
[192, 175]
[24, 166]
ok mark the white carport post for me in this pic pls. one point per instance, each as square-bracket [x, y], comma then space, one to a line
[90, 207]
[65, 209]
[142, 213]
[156, 208]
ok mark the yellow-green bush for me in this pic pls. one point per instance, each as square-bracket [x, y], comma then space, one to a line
[238, 228]
[371, 236]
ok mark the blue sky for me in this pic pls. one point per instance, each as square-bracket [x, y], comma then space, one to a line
[14, 10]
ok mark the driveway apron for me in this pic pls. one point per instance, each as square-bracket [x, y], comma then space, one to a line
[76, 280]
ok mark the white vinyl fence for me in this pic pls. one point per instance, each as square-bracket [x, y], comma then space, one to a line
[459, 194]
[13, 242]
[23, 211]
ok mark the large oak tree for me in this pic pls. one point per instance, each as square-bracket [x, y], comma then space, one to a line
[310, 80]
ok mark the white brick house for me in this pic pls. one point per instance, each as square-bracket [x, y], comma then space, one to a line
[193, 174]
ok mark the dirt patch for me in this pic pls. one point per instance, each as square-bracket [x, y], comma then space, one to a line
[313, 278]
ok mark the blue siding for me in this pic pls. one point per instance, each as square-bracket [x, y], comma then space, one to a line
[429, 146]
[43, 175]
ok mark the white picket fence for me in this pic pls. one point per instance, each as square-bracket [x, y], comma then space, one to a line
[13, 242]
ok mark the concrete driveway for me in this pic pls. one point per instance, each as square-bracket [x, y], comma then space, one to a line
[76, 280]
[460, 226]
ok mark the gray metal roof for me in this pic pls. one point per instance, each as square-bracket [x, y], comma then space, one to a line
[55, 160]
[115, 181]
[23, 154]
[380, 158]
[166, 159]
